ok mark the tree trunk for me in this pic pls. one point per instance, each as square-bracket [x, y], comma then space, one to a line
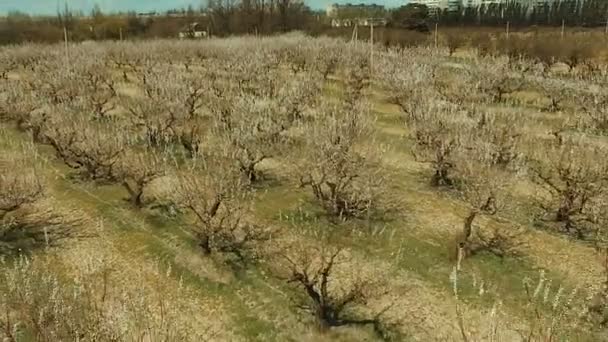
[441, 178]
[468, 225]
[563, 213]
[324, 320]
[205, 243]
[249, 171]
[467, 229]
[137, 200]
[136, 193]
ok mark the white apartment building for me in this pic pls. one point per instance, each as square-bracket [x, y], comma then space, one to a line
[454, 5]
[440, 5]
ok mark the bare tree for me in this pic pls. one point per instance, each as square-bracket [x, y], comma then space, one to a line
[219, 205]
[574, 173]
[358, 76]
[437, 131]
[136, 170]
[483, 185]
[251, 129]
[454, 40]
[196, 92]
[332, 297]
[169, 110]
[97, 89]
[407, 84]
[28, 217]
[595, 108]
[327, 63]
[128, 61]
[502, 134]
[54, 84]
[94, 149]
[150, 116]
[20, 184]
[497, 78]
[20, 105]
[458, 89]
[553, 89]
[341, 167]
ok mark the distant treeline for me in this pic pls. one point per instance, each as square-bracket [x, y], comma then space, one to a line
[588, 13]
[264, 17]
[219, 17]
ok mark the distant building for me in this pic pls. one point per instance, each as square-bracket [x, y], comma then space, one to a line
[350, 11]
[342, 22]
[435, 6]
[361, 15]
[360, 22]
[145, 15]
[529, 3]
[193, 31]
[372, 21]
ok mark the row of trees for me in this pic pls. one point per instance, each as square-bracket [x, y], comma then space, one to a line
[591, 13]
[206, 118]
[228, 17]
[221, 18]
[204, 123]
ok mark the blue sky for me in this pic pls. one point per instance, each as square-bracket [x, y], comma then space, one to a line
[50, 6]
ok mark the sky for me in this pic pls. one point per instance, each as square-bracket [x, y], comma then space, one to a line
[49, 7]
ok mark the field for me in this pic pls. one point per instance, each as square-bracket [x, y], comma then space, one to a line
[300, 189]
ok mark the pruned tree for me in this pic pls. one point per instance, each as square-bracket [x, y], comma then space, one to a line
[22, 58]
[497, 79]
[454, 40]
[326, 63]
[196, 92]
[295, 98]
[94, 149]
[133, 62]
[595, 108]
[28, 217]
[330, 290]
[20, 184]
[575, 175]
[502, 134]
[459, 88]
[20, 105]
[257, 73]
[437, 132]
[97, 89]
[407, 84]
[54, 84]
[340, 165]
[154, 115]
[8, 64]
[553, 89]
[357, 76]
[219, 206]
[136, 170]
[482, 184]
[251, 130]
[169, 108]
